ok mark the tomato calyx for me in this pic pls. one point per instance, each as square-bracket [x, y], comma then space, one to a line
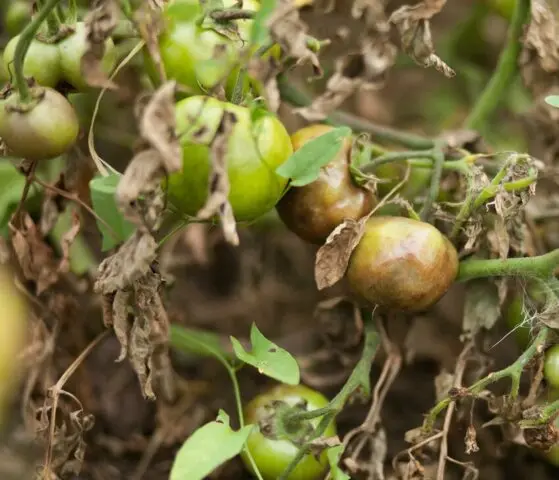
[37, 96]
[279, 423]
[64, 31]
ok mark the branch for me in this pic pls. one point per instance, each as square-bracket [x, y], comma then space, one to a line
[505, 71]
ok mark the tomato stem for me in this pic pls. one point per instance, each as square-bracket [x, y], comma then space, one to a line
[359, 378]
[435, 183]
[505, 71]
[25, 39]
[512, 371]
[378, 132]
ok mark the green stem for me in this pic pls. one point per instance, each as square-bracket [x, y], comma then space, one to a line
[548, 413]
[512, 371]
[359, 378]
[541, 266]
[434, 186]
[25, 39]
[397, 156]
[377, 132]
[505, 71]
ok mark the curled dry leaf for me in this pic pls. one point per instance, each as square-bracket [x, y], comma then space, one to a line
[217, 202]
[412, 23]
[100, 22]
[36, 258]
[290, 32]
[265, 72]
[149, 22]
[333, 257]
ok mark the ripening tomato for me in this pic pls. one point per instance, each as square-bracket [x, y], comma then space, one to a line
[271, 452]
[257, 144]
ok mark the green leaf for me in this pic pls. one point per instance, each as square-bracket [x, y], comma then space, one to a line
[259, 32]
[197, 342]
[268, 358]
[207, 448]
[303, 167]
[552, 100]
[334, 455]
[103, 191]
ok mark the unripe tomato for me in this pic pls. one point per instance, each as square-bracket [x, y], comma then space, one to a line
[551, 366]
[16, 16]
[4, 77]
[505, 8]
[417, 182]
[273, 455]
[314, 210]
[42, 61]
[72, 49]
[402, 264]
[255, 148]
[12, 337]
[46, 130]
[198, 57]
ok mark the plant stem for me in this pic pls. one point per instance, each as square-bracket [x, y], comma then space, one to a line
[397, 156]
[541, 266]
[228, 14]
[378, 132]
[359, 378]
[25, 39]
[505, 71]
[512, 371]
[434, 186]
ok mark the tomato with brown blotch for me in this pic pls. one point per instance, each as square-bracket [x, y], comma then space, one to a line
[313, 211]
[402, 264]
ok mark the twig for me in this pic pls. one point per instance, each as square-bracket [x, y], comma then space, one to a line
[378, 132]
[434, 186]
[457, 383]
[226, 15]
[505, 71]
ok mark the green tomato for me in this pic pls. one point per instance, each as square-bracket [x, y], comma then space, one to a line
[505, 8]
[16, 16]
[198, 57]
[551, 366]
[257, 145]
[4, 77]
[394, 173]
[72, 48]
[45, 130]
[42, 61]
[273, 455]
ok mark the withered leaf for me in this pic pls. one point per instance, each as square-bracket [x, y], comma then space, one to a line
[481, 308]
[333, 257]
[149, 22]
[101, 20]
[158, 126]
[67, 241]
[412, 23]
[218, 194]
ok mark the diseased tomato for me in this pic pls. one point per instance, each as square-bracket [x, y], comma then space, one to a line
[402, 264]
[315, 210]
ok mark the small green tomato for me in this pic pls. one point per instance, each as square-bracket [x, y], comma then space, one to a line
[272, 455]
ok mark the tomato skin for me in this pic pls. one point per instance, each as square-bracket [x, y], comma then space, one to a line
[402, 264]
[313, 211]
[255, 149]
[272, 456]
[551, 366]
[42, 61]
[47, 130]
[71, 50]
[12, 338]
[187, 49]
[16, 16]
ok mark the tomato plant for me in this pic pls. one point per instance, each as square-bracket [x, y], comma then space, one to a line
[42, 61]
[199, 56]
[45, 129]
[72, 49]
[402, 264]
[256, 145]
[314, 210]
[272, 451]
[393, 173]
[16, 16]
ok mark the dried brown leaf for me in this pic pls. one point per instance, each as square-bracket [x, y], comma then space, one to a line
[470, 440]
[67, 241]
[158, 126]
[217, 202]
[412, 23]
[101, 20]
[150, 24]
[35, 257]
[333, 257]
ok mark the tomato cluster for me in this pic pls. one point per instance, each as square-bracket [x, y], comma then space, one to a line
[273, 452]
[52, 62]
